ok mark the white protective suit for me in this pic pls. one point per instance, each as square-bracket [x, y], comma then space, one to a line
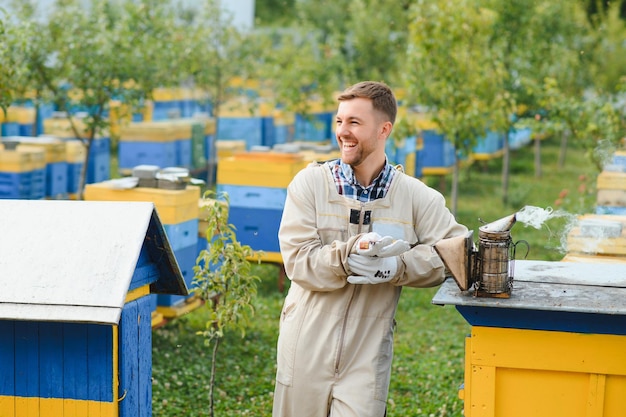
[335, 345]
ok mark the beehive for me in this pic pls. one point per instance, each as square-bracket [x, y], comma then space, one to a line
[76, 323]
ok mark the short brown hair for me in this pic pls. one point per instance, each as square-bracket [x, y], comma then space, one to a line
[381, 95]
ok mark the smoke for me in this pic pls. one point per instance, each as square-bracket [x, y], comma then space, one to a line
[591, 232]
[537, 217]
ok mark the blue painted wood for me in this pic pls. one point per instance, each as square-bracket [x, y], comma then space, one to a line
[183, 234]
[256, 227]
[144, 349]
[247, 196]
[564, 321]
[100, 362]
[129, 360]
[162, 154]
[186, 258]
[51, 360]
[27, 357]
[7, 358]
[75, 371]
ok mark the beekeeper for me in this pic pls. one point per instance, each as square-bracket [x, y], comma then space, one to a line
[354, 231]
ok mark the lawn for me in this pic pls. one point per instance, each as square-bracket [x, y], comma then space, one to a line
[428, 361]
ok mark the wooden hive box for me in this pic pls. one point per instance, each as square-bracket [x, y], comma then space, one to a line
[75, 306]
[579, 242]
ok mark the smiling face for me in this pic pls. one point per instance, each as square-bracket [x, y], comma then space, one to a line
[361, 132]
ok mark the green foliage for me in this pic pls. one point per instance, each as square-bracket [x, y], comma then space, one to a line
[452, 69]
[223, 274]
[5, 70]
[224, 280]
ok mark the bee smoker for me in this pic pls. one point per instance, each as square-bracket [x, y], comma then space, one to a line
[488, 268]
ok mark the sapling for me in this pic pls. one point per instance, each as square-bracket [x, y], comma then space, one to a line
[223, 279]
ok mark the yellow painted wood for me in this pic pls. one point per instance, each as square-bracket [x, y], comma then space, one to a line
[173, 206]
[533, 373]
[482, 400]
[260, 169]
[611, 198]
[426, 171]
[228, 148]
[57, 407]
[614, 393]
[611, 180]
[558, 351]
[570, 257]
[137, 293]
[180, 308]
[595, 399]
[595, 245]
[7, 403]
[26, 407]
[487, 156]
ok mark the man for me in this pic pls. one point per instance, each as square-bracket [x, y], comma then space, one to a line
[354, 231]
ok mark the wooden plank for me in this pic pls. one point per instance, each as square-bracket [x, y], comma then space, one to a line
[611, 180]
[144, 349]
[99, 369]
[51, 367]
[7, 364]
[604, 275]
[75, 375]
[129, 360]
[27, 376]
[509, 348]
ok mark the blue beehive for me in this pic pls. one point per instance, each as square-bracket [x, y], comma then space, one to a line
[80, 291]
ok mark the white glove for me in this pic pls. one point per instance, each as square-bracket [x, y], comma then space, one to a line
[371, 270]
[372, 244]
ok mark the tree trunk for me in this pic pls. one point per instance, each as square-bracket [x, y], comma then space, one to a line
[563, 148]
[455, 185]
[505, 169]
[538, 172]
[212, 381]
[82, 181]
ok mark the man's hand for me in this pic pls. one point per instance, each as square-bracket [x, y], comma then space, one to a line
[373, 244]
[371, 270]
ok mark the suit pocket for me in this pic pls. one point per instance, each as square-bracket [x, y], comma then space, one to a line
[290, 325]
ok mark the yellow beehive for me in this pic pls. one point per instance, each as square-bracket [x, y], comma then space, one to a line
[15, 161]
[22, 115]
[62, 128]
[228, 148]
[520, 373]
[261, 169]
[579, 243]
[173, 206]
[54, 148]
[157, 131]
[608, 180]
[75, 151]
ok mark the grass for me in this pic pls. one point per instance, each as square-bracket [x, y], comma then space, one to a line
[429, 341]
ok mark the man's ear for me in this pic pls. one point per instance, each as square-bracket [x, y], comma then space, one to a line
[385, 130]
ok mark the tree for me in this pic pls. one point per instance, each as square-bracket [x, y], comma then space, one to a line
[534, 40]
[223, 279]
[215, 52]
[81, 60]
[7, 69]
[453, 72]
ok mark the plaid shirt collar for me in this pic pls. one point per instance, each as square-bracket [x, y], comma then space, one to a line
[348, 186]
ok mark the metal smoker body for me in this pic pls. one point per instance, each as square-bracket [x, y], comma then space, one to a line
[489, 267]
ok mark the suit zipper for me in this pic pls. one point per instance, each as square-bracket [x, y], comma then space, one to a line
[343, 329]
[345, 317]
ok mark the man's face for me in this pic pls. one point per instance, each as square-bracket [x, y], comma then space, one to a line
[360, 130]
